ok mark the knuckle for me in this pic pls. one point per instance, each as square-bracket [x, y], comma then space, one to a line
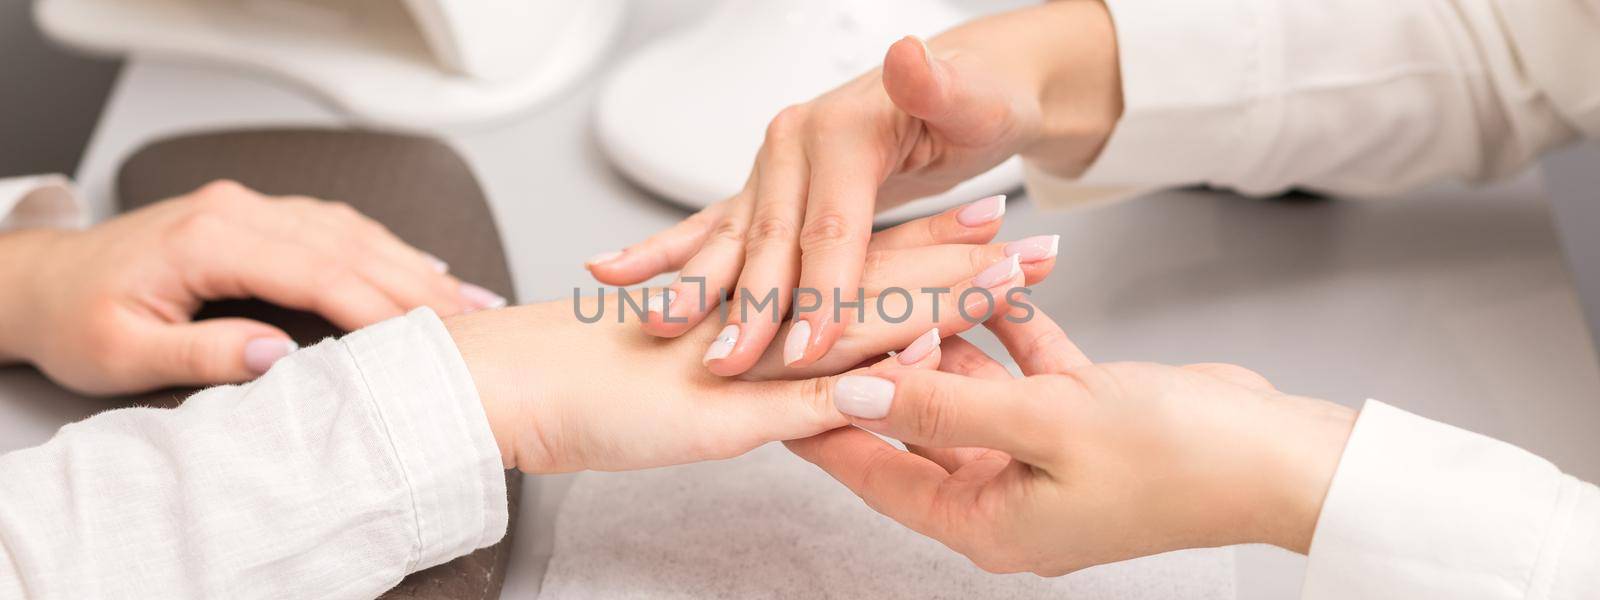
[199, 226]
[770, 230]
[223, 189]
[935, 416]
[877, 263]
[831, 230]
[785, 125]
[729, 231]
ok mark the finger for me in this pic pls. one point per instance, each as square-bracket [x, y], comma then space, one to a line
[210, 352]
[958, 103]
[944, 264]
[974, 223]
[922, 353]
[772, 255]
[241, 264]
[903, 486]
[961, 357]
[1234, 374]
[1036, 342]
[409, 289]
[892, 320]
[942, 410]
[705, 278]
[660, 253]
[833, 240]
[415, 278]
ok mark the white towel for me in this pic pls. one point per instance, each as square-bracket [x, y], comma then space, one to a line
[771, 525]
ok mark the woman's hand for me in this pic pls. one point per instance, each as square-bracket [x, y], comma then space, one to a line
[108, 310]
[564, 395]
[1041, 81]
[1077, 464]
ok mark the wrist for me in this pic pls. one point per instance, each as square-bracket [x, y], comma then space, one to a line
[23, 252]
[1308, 441]
[1079, 86]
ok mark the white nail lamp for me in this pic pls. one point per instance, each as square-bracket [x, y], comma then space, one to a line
[685, 115]
[415, 65]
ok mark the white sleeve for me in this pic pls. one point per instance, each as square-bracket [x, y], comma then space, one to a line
[1357, 97]
[1420, 509]
[347, 466]
[39, 201]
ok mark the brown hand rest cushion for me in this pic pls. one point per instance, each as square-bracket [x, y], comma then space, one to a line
[419, 188]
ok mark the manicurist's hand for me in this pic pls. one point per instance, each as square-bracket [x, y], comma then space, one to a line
[1079, 464]
[563, 394]
[108, 310]
[1040, 81]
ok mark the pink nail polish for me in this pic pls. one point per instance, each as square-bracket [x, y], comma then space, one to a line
[722, 346]
[998, 273]
[1034, 249]
[479, 298]
[919, 348]
[438, 265]
[794, 346]
[863, 397]
[261, 353]
[982, 212]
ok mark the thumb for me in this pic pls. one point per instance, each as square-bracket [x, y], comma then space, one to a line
[215, 351]
[947, 97]
[945, 410]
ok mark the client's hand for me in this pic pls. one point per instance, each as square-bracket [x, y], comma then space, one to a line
[108, 310]
[1076, 464]
[564, 395]
[1041, 81]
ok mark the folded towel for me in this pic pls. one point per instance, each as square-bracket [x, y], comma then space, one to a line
[771, 525]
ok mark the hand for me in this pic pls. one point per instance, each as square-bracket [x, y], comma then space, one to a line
[108, 310]
[1076, 464]
[563, 395]
[1041, 81]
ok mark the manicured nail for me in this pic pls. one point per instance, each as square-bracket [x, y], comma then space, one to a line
[998, 273]
[794, 346]
[983, 211]
[602, 258]
[920, 347]
[261, 353]
[480, 299]
[862, 396]
[438, 265]
[659, 302]
[1034, 249]
[723, 345]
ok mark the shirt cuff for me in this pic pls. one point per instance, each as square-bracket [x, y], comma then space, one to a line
[1193, 81]
[1420, 509]
[429, 405]
[40, 201]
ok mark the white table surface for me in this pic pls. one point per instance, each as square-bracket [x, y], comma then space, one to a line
[1452, 303]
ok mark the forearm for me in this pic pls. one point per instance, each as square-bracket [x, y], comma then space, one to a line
[347, 466]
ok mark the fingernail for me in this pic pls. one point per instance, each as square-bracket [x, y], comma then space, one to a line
[927, 53]
[920, 347]
[261, 353]
[998, 273]
[983, 211]
[794, 346]
[659, 302]
[479, 298]
[862, 396]
[1034, 249]
[723, 345]
[438, 265]
[602, 258]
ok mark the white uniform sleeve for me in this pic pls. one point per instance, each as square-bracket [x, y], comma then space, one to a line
[347, 466]
[39, 201]
[1355, 97]
[1420, 509]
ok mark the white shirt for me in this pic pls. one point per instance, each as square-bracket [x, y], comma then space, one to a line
[1371, 97]
[349, 465]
